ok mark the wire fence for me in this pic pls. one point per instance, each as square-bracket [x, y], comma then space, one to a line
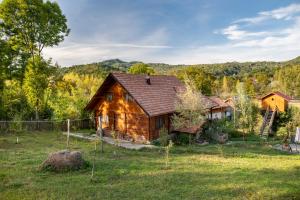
[46, 125]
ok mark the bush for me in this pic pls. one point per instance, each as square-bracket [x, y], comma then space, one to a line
[182, 139]
[281, 132]
[222, 126]
[155, 142]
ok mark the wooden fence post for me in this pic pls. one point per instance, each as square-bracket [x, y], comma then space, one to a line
[100, 132]
[68, 136]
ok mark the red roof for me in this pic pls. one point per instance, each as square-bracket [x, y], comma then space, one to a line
[155, 99]
[286, 97]
[219, 102]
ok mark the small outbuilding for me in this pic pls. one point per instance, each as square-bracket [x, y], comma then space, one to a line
[275, 100]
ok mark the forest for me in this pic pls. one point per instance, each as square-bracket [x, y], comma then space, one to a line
[33, 88]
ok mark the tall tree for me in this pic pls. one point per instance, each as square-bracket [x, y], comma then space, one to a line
[246, 110]
[36, 82]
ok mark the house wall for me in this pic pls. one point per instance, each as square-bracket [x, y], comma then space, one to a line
[219, 113]
[273, 101]
[127, 117]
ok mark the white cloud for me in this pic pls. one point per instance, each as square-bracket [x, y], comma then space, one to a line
[285, 13]
[233, 32]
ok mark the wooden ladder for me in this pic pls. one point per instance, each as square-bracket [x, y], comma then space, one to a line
[272, 120]
[265, 121]
[266, 129]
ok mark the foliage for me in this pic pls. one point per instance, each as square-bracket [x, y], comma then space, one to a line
[246, 110]
[282, 118]
[33, 25]
[167, 154]
[36, 82]
[182, 139]
[14, 101]
[71, 94]
[189, 107]
[163, 137]
[287, 80]
[26, 28]
[141, 68]
[198, 77]
[222, 126]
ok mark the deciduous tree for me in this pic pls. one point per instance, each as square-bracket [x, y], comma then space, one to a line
[141, 68]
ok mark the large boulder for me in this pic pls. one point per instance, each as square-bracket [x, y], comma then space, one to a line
[63, 161]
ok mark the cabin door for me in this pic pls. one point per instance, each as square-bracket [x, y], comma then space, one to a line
[111, 120]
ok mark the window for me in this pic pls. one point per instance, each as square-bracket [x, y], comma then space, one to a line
[272, 99]
[104, 119]
[159, 122]
[127, 97]
[109, 96]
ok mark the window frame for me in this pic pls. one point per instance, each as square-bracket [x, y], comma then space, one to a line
[127, 97]
[109, 96]
[159, 123]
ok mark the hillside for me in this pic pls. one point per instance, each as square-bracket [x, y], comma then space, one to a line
[228, 69]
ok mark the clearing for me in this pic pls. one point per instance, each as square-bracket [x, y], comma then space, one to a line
[242, 170]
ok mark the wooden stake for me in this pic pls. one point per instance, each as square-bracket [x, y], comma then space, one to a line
[92, 176]
[100, 132]
[68, 136]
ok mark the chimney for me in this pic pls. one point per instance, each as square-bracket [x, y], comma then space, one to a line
[148, 79]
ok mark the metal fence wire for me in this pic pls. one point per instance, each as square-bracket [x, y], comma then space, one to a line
[46, 125]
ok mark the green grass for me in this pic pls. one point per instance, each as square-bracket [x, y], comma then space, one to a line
[243, 170]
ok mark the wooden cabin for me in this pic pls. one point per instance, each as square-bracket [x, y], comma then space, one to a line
[275, 99]
[137, 106]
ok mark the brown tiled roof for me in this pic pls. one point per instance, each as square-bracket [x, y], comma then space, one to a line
[220, 103]
[155, 99]
[286, 97]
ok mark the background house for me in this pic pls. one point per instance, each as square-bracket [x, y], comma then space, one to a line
[218, 108]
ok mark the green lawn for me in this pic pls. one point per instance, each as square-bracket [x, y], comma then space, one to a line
[238, 171]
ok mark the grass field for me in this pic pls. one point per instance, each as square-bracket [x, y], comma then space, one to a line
[239, 171]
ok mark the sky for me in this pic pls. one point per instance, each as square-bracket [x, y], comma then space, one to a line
[179, 31]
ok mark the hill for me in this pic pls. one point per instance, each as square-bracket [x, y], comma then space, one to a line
[235, 69]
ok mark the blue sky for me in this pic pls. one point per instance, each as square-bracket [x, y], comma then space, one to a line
[179, 31]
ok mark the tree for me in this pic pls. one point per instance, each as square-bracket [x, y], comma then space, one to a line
[141, 68]
[189, 107]
[71, 94]
[246, 110]
[202, 80]
[36, 82]
[33, 24]
[225, 87]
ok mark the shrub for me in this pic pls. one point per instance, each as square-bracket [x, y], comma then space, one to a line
[222, 126]
[182, 139]
[155, 142]
[281, 132]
